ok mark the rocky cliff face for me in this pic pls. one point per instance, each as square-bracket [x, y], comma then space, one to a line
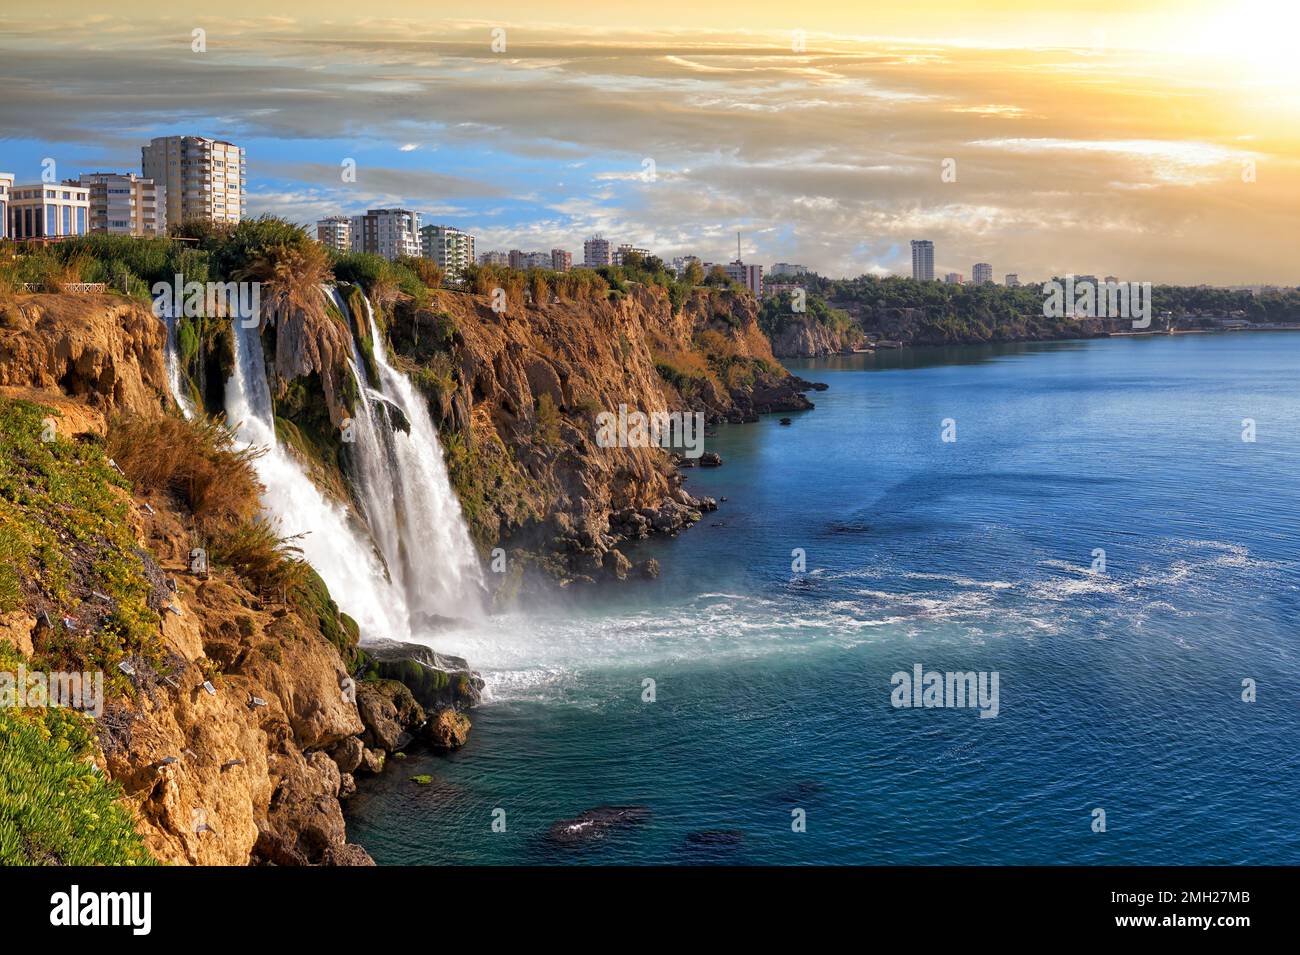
[234, 738]
[518, 395]
[807, 338]
[102, 349]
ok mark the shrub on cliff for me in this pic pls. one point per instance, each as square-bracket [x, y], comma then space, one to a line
[54, 808]
[194, 459]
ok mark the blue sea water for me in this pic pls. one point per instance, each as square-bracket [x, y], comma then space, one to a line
[1120, 691]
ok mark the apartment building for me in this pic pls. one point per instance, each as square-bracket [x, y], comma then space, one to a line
[494, 258]
[953, 278]
[335, 233]
[981, 273]
[787, 268]
[596, 252]
[122, 203]
[621, 253]
[750, 276]
[48, 210]
[451, 248]
[1012, 280]
[201, 178]
[392, 233]
[561, 260]
[6, 187]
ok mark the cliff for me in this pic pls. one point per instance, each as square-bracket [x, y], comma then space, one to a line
[235, 713]
[518, 394]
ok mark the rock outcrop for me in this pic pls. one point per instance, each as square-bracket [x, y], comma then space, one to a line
[103, 350]
[519, 396]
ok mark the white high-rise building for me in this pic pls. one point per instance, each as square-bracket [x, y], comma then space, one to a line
[923, 260]
[122, 203]
[451, 248]
[596, 252]
[6, 187]
[45, 210]
[952, 278]
[201, 178]
[1012, 280]
[335, 232]
[392, 233]
[981, 273]
[787, 268]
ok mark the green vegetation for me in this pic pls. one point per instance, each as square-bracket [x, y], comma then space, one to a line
[313, 597]
[128, 265]
[64, 532]
[54, 808]
[777, 314]
[491, 485]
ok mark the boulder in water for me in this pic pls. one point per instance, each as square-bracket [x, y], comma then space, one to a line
[438, 681]
[595, 824]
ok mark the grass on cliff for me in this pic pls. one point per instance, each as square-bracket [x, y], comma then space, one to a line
[66, 547]
[196, 460]
[55, 809]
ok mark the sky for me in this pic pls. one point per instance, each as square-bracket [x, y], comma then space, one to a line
[1155, 141]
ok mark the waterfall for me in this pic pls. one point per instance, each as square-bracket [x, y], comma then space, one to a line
[295, 505]
[407, 497]
[173, 363]
[442, 563]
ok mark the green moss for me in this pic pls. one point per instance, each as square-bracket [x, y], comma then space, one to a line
[493, 489]
[63, 525]
[338, 628]
[423, 779]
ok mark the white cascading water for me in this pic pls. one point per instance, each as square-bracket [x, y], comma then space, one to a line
[410, 506]
[343, 558]
[173, 363]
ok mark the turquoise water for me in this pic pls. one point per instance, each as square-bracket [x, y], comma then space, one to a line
[1118, 690]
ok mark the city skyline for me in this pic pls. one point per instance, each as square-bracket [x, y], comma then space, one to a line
[1066, 159]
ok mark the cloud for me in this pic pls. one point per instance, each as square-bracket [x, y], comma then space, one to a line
[1065, 159]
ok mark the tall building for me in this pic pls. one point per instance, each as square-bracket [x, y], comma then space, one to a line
[953, 278]
[201, 178]
[451, 248]
[596, 252]
[494, 258]
[6, 187]
[981, 273]
[392, 233]
[48, 210]
[335, 232]
[122, 203]
[1012, 280]
[561, 260]
[923, 260]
